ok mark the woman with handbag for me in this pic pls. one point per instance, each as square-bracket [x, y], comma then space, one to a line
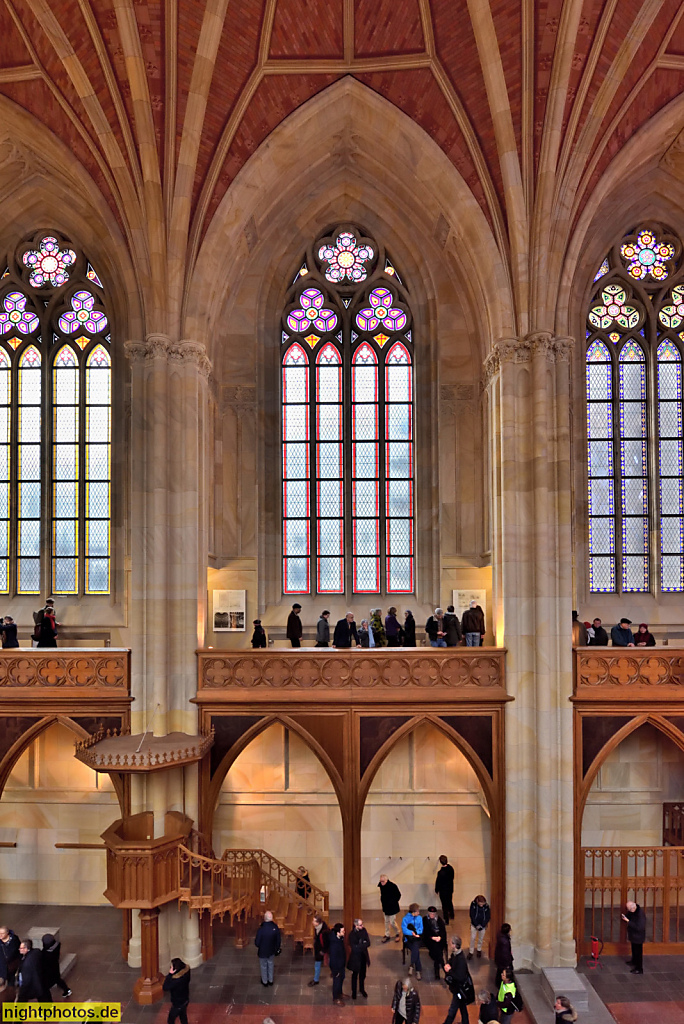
[457, 977]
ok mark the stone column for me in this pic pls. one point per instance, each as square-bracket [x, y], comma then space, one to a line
[529, 401]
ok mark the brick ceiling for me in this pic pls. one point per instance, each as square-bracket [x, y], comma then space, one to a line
[112, 79]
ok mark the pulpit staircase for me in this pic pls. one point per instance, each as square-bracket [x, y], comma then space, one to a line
[242, 884]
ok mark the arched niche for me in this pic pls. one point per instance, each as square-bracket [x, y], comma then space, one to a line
[427, 793]
[623, 804]
[48, 798]
[277, 795]
[407, 195]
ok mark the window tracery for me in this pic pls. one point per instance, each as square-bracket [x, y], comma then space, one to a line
[347, 422]
[634, 416]
[55, 422]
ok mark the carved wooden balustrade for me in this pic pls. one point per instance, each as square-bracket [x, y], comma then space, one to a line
[629, 673]
[387, 672]
[673, 824]
[142, 872]
[65, 673]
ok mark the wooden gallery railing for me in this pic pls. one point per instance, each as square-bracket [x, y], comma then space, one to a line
[244, 883]
[673, 824]
[651, 876]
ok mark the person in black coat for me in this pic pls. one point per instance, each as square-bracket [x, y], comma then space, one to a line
[600, 637]
[337, 961]
[303, 886]
[267, 941]
[177, 984]
[50, 964]
[30, 976]
[9, 955]
[444, 887]
[345, 633]
[294, 626]
[434, 938]
[503, 955]
[359, 957]
[456, 975]
[409, 629]
[405, 998]
[452, 627]
[9, 632]
[259, 634]
[489, 1010]
[389, 899]
[636, 934]
[321, 946]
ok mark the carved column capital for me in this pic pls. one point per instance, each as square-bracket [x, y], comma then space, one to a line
[155, 346]
[556, 349]
[191, 352]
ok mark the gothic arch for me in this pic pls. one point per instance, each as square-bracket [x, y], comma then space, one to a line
[33, 732]
[659, 722]
[214, 787]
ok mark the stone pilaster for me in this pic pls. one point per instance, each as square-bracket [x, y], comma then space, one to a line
[528, 381]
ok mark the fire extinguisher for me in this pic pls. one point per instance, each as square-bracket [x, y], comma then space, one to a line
[593, 960]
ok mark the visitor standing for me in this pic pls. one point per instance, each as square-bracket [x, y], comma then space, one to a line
[460, 983]
[392, 628]
[323, 630]
[303, 886]
[48, 628]
[444, 887]
[259, 635]
[389, 900]
[435, 938]
[642, 638]
[321, 945]
[9, 956]
[473, 625]
[359, 957]
[452, 627]
[600, 637]
[434, 627]
[337, 961]
[508, 997]
[621, 635]
[503, 954]
[565, 1011]
[412, 930]
[177, 984]
[9, 632]
[30, 982]
[409, 629]
[345, 633]
[379, 634]
[480, 915]
[294, 626]
[636, 935]
[488, 1010]
[267, 942]
[365, 633]
[405, 1003]
[579, 632]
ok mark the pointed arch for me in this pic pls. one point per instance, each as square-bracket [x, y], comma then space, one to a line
[214, 789]
[33, 732]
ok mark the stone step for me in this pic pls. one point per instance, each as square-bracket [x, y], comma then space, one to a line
[539, 993]
[67, 961]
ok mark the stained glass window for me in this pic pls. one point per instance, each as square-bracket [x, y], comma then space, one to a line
[55, 418]
[347, 422]
[634, 337]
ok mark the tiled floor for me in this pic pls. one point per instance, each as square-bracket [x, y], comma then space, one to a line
[228, 986]
[657, 995]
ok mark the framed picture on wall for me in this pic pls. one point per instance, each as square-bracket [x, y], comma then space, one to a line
[461, 600]
[228, 609]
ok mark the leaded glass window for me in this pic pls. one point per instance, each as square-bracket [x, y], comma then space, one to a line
[55, 422]
[347, 422]
[635, 334]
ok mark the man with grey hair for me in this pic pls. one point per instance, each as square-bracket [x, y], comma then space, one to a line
[345, 632]
[635, 918]
[267, 942]
[473, 625]
[434, 627]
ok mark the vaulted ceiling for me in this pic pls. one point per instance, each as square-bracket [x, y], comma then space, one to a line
[163, 101]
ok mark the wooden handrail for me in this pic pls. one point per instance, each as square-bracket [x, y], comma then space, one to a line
[282, 877]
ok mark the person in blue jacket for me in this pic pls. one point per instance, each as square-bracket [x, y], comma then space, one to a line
[622, 635]
[412, 929]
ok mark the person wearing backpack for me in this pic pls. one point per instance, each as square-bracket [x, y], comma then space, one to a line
[459, 982]
[508, 998]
